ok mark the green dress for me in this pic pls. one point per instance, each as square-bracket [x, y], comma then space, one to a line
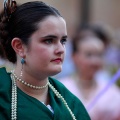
[29, 108]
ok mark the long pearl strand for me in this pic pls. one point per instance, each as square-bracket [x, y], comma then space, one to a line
[63, 100]
[14, 98]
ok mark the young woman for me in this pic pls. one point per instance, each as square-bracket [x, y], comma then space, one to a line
[33, 36]
[89, 45]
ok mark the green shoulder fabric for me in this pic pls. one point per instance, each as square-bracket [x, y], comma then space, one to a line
[5, 95]
[73, 102]
[29, 108]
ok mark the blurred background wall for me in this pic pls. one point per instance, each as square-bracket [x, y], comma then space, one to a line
[93, 11]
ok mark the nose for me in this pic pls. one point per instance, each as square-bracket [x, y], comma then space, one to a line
[96, 61]
[60, 48]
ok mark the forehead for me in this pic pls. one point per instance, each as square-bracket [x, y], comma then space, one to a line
[91, 43]
[52, 25]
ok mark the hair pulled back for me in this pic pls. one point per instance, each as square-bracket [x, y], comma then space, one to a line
[21, 23]
[96, 30]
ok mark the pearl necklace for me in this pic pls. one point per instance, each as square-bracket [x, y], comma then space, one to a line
[27, 84]
[63, 100]
[14, 98]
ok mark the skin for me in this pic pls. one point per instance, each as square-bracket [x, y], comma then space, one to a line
[46, 45]
[88, 59]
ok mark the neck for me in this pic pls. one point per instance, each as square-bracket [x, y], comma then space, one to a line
[86, 82]
[40, 94]
[86, 86]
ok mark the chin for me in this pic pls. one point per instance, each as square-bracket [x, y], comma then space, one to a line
[92, 74]
[55, 71]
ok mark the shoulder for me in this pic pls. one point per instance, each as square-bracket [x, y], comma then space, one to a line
[61, 88]
[106, 100]
[2, 69]
[3, 72]
[4, 78]
[73, 102]
[110, 89]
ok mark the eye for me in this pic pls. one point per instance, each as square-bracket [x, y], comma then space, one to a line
[100, 55]
[48, 41]
[88, 54]
[63, 41]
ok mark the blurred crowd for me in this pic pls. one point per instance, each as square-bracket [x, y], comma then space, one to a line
[89, 70]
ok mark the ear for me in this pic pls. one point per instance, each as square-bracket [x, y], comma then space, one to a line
[18, 47]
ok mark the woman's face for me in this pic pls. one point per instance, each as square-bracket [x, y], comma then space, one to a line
[46, 50]
[89, 57]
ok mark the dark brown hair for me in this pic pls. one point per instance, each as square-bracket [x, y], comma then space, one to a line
[22, 23]
[97, 31]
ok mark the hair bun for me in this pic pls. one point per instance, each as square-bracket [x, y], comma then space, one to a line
[2, 26]
[9, 7]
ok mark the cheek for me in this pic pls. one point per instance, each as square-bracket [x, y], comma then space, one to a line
[84, 61]
[84, 64]
[39, 54]
[80, 61]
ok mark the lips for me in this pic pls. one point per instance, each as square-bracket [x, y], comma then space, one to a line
[58, 60]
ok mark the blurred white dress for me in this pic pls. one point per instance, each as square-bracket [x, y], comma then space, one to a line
[107, 107]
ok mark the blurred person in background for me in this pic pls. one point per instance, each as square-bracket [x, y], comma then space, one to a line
[89, 45]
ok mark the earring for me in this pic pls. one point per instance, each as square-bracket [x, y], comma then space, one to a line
[22, 62]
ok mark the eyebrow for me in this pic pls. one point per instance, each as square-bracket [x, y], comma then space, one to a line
[53, 36]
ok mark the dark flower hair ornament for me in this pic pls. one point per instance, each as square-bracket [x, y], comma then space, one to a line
[5, 15]
[9, 7]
